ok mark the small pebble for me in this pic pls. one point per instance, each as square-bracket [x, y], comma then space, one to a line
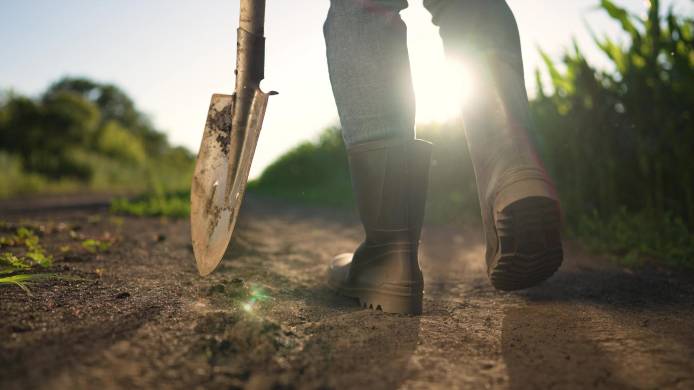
[123, 295]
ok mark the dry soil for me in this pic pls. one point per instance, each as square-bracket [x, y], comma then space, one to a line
[141, 317]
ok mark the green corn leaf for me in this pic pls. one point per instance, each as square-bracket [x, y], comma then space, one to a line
[619, 14]
[559, 81]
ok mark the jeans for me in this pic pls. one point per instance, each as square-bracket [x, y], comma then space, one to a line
[368, 62]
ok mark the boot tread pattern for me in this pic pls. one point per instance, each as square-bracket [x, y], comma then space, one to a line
[529, 247]
[388, 304]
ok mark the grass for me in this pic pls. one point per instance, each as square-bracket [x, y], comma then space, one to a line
[17, 270]
[12, 262]
[95, 246]
[175, 204]
[24, 280]
[34, 253]
[633, 239]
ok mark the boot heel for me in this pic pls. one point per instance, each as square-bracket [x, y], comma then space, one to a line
[389, 303]
[529, 246]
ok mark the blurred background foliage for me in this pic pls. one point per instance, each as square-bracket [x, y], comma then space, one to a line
[619, 143]
[84, 135]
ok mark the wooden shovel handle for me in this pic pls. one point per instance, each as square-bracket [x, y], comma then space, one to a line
[250, 50]
[252, 17]
[250, 67]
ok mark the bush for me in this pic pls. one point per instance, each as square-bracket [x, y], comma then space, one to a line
[84, 135]
[15, 180]
[313, 172]
[116, 142]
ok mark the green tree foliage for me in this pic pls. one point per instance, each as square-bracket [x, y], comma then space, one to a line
[44, 132]
[115, 106]
[117, 142]
[80, 133]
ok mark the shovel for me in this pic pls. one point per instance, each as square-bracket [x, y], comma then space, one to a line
[228, 144]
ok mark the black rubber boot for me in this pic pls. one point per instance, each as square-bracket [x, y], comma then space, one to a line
[390, 180]
[520, 208]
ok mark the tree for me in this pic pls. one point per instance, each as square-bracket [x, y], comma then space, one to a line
[115, 106]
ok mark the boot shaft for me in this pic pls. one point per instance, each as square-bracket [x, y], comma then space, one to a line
[390, 179]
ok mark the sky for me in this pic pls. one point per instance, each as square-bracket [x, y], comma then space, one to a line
[170, 56]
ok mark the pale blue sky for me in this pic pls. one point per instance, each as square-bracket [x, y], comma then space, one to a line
[171, 55]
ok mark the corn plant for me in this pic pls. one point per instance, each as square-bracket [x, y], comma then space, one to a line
[624, 137]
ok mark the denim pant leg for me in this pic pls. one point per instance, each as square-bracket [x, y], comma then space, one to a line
[497, 122]
[470, 27]
[484, 33]
[368, 62]
[366, 42]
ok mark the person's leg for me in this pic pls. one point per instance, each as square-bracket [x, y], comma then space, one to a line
[370, 73]
[366, 47]
[520, 209]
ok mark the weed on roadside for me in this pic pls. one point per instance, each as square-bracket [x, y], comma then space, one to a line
[176, 204]
[632, 239]
[24, 280]
[17, 268]
[96, 246]
[33, 253]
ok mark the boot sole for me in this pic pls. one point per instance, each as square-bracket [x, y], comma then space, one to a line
[530, 249]
[384, 301]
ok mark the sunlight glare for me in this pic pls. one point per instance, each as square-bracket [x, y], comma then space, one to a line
[442, 86]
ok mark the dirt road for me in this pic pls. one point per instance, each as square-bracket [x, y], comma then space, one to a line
[142, 317]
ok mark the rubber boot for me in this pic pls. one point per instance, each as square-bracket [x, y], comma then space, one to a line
[389, 179]
[520, 208]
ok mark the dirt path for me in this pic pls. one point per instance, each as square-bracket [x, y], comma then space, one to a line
[144, 319]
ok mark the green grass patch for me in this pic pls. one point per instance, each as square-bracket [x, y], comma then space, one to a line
[634, 238]
[33, 253]
[176, 204]
[95, 246]
[24, 280]
[16, 268]
[10, 263]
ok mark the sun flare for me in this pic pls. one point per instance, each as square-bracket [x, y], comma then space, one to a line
[442, 88]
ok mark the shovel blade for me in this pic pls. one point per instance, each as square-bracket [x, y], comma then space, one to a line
[221, 174]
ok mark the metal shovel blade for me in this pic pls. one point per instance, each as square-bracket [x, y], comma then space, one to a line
[221, 174]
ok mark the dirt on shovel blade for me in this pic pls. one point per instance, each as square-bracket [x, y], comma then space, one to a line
[139, 316]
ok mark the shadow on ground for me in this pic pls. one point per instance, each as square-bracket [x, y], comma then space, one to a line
[601, 328]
